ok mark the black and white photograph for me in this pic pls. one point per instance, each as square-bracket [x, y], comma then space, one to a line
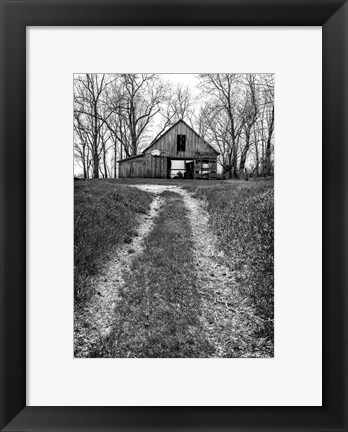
[173, 215]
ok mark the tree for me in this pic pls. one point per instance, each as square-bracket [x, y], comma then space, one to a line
[268, 90]
[213, 125]
[114, 98]
[177, 104]
[249, 116]
[224, 91]
[88, 90]
[141, 101]
[81, 144]
[263, 128]
[238, 118]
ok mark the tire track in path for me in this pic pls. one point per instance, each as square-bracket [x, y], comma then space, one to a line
[226, 327]
[92, 322]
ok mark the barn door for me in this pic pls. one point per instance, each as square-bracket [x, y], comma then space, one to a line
[157, 166]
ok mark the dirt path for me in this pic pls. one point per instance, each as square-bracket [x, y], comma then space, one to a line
[224, 317]
[225, 320]
[228, 323]
[93, 322]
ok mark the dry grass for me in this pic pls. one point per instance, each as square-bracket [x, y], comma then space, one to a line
[242, 216]
[105, 215]
[159, 311]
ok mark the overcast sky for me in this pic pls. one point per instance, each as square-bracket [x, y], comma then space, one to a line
[190, 80]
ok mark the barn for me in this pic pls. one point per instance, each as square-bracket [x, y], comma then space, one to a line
[178, 153]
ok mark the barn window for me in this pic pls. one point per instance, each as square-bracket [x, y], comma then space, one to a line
[181, 141]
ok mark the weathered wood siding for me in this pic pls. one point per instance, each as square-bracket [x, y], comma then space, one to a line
[167, 144]
[156, 167]
[146, 166]
[132, 168]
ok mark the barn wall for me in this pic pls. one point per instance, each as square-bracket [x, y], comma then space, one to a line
[132, 168]
[156, 167]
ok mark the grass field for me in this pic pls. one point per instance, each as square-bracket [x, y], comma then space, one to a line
[158, 312]
[104, 217]
[242, 215]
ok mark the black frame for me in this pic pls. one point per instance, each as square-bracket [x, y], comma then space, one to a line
[332, 15]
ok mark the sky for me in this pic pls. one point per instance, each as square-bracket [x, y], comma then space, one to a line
[190, 80]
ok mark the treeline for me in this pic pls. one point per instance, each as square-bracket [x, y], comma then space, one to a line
[117, 115]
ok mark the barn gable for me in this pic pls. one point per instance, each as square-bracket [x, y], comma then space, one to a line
[179, 152]
[167, 143]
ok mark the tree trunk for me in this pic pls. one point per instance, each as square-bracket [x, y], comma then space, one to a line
[132, 127]
[115, 159]
[268, 146]
[88, 162]
[95, 145]
[84, 160]
[256, 153]
[245, 151]
[234, 168]
[95, 164]
[227, 171]
[104, 161]
[134, 145]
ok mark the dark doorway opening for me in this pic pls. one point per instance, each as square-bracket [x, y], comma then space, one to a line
[169, 166]
[189, 170]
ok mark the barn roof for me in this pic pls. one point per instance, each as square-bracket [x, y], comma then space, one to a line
[171, 127]
[131, 157]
